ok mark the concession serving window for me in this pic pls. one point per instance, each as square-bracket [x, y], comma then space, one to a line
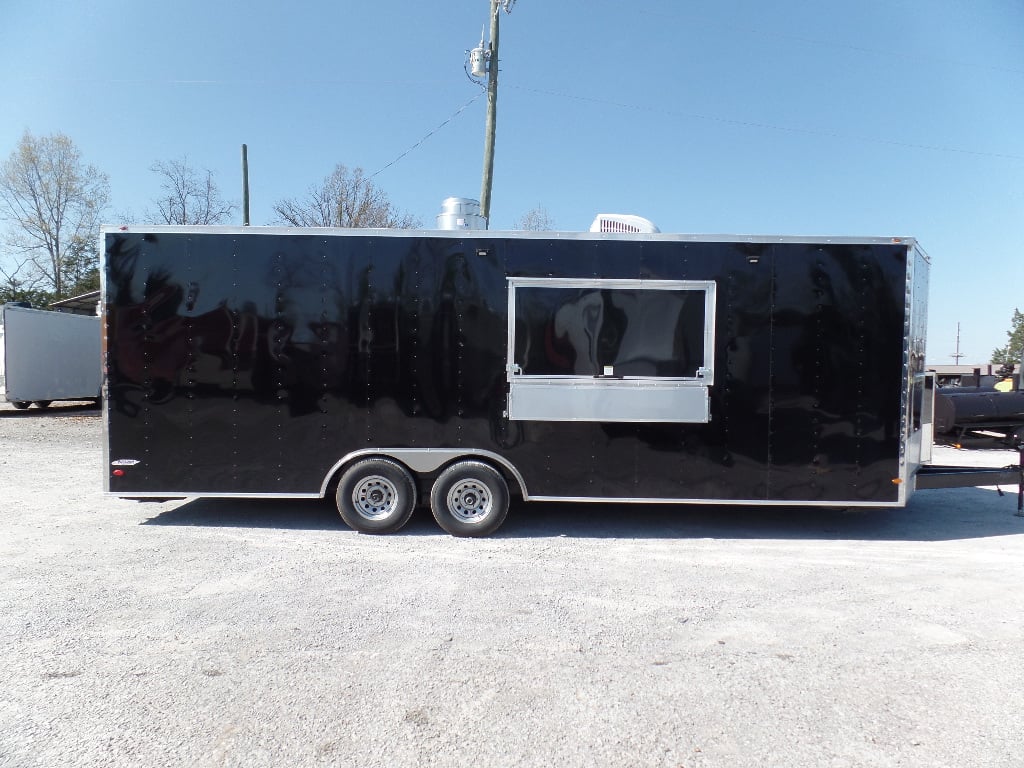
[610, 350]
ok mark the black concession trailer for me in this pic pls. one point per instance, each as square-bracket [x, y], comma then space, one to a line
[387, 367]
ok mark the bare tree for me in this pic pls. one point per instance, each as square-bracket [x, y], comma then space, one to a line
[53, 205]
[14, 287]
[188, 196]
[344, 199]
[536, 219]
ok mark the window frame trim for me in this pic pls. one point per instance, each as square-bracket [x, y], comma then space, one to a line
[705, 373]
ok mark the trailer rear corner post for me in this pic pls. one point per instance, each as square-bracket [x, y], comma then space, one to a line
[1020, 481]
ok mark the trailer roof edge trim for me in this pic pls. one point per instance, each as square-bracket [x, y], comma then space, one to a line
[504, 234]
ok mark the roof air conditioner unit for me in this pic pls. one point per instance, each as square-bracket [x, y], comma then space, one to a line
[622, 222]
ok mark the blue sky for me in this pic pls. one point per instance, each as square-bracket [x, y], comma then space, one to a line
[874, 118]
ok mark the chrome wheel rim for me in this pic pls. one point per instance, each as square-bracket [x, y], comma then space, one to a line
[470, 501]
[375, 497]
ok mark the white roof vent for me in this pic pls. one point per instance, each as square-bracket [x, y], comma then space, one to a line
[622, 222]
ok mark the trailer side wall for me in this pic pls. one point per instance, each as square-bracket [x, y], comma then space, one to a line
[248, 362]
[49, 355]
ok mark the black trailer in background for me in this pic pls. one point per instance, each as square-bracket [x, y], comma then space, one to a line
[383, 366]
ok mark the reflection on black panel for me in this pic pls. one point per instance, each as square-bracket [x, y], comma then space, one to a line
[580, 331]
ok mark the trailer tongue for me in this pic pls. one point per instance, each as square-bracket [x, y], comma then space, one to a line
[935, 476]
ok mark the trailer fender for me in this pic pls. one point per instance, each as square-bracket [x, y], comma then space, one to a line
[424, 461]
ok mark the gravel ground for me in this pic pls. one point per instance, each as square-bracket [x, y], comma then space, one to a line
[265, 633]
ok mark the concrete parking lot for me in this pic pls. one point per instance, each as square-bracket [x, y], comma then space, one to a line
[265, 633]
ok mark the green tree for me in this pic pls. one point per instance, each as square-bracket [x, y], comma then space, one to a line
[1014, 349]
[52, 203]
[344, 199]
[81, 267]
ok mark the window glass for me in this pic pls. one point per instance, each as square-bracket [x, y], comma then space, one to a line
[579, 331]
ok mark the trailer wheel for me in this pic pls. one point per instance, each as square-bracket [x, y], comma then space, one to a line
[21, 405]
[470, 499]
[43, 403]
[376, 496]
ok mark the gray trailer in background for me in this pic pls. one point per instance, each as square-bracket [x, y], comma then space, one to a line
[47, 356]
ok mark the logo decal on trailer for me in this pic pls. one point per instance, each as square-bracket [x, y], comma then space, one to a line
[124, 463]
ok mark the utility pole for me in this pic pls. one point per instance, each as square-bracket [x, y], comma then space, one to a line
[492, 109]
[956, 355]
[245, 186]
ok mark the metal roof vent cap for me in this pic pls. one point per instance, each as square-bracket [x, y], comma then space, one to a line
[460, 213]
[623, 223]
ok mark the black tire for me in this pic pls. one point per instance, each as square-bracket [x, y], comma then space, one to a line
[21, 405]
[470, 498]
[376, 496]
[43, 403]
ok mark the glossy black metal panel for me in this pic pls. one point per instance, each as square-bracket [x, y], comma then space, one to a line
[251, 363]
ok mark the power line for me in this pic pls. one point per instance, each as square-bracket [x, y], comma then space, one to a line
[451, 117]
[768, 126]
[234, 82]
[690, 21]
